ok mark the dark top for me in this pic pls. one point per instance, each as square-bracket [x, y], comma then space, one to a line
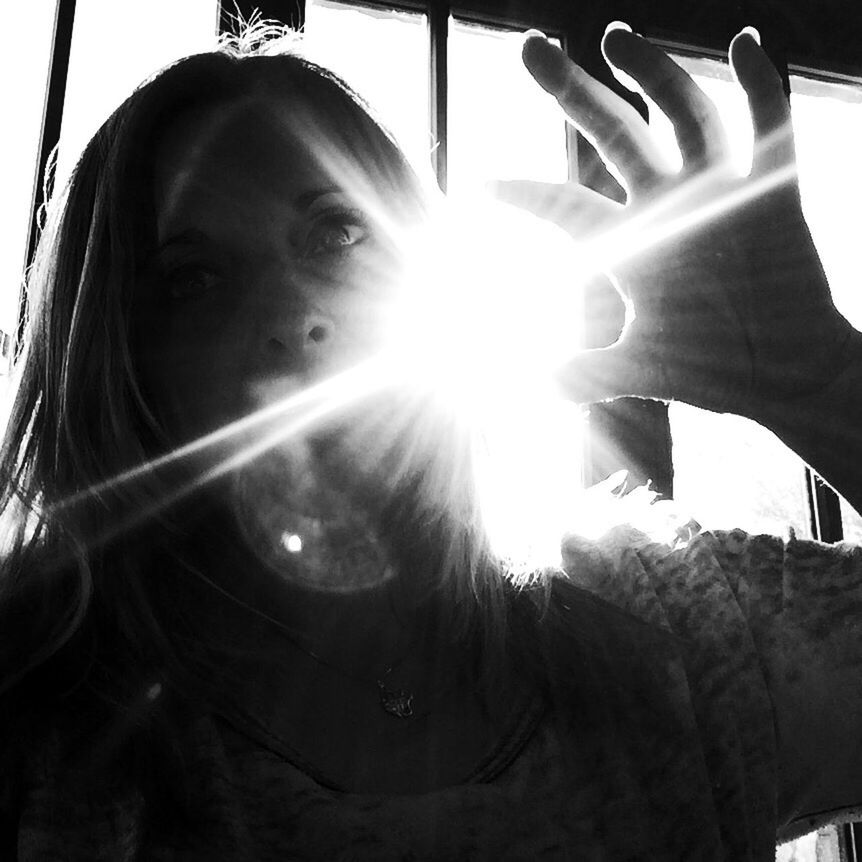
[649, 746]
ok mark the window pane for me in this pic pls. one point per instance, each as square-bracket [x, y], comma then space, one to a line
[24, 66]
[115, 46]
[383, 55]
[728, 471]
[819, 846]
[502, 125]
[827, 123]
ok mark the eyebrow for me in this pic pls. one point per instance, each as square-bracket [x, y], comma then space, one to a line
[306, 199]
[195, 236]
[191, 236]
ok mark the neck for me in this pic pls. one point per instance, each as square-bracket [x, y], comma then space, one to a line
[372, 628]
[368, 628]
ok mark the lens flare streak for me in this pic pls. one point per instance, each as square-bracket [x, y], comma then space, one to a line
[487, 314]
[311, 405]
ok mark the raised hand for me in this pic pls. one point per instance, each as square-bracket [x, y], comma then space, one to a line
[730, 305]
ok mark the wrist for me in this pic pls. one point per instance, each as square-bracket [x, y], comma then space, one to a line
[835, 391]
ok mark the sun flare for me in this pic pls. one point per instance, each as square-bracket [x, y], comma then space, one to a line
[488, 308]
[492, 306]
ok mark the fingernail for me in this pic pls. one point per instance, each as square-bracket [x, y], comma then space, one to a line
[537, 33]
[753, 32]
[617, 25]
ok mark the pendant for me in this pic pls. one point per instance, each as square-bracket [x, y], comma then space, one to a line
[395, 701]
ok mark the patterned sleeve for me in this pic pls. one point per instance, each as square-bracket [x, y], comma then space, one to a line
[773, 634]
[803, 604]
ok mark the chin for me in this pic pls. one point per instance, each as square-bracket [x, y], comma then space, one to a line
[346, 505]
[308, 524]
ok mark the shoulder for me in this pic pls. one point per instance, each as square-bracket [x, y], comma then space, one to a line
[649, 577]
[659, 671]
[711, 653]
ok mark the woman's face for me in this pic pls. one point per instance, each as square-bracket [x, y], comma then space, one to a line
[269, 274]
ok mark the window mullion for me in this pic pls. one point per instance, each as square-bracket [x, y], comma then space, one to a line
[438, 33]
[629, 434]
[52, 119]
[824, 509]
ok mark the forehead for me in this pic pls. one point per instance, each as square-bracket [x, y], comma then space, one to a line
[262, 149]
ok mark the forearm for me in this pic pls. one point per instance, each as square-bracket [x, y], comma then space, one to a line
[825, 428]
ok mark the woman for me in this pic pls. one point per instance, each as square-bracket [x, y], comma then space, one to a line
[286, 638]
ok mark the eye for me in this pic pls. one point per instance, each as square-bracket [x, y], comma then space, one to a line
[333, 232]
[190, 281]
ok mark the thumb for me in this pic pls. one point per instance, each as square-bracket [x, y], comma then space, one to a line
[576, 209]
[611, 372]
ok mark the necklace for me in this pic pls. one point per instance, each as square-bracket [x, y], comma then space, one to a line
[396, 702]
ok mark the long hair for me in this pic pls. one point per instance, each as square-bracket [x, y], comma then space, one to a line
[92, 567]
[86, 556]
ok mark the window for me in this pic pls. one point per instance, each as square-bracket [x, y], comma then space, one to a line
[500, 126]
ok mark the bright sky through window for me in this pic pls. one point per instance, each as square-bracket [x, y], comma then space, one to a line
[502, 126]
[383, 55]
[115, 46]
[827, 125]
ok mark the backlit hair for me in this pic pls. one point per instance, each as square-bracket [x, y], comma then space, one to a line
[79, 553]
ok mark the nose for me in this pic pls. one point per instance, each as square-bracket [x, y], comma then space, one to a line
[300, 339]
[301, 325]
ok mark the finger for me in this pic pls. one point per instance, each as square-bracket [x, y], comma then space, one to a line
[576, 209]
[696, 123]
[607, 373]
[611, 124]
[770, 110]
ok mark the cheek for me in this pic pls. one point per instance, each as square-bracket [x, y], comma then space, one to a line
[194, 361]
[376, 289]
